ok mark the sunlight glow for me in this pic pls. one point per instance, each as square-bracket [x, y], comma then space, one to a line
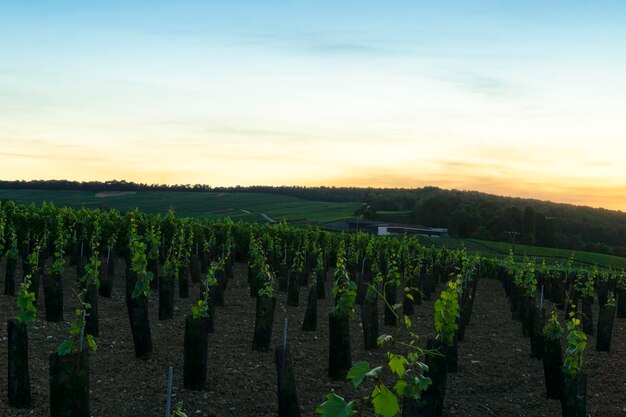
[502, 101]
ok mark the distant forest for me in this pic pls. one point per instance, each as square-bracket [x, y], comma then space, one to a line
[465, 213]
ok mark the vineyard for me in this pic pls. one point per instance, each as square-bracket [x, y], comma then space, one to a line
[247, 207]
[272, 320]
[211, 205]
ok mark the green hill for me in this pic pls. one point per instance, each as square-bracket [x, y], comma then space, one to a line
[239, 206]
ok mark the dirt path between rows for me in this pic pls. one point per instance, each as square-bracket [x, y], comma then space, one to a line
[497, 377]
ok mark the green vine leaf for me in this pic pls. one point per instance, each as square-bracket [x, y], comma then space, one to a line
[179, 412]
[200, 310]
[384, 339]
[385, 402]
[360, 371]
[553, 329]
[400, 387]
[26, 316]
[26, 304]
[397, 364]
[91, 343]
[357, 372]
[335, 406]
[65, 348]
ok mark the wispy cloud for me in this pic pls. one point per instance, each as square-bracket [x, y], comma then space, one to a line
[325, 43]
[483, 84]
[487, 85]
[354, 49]
[25, 155]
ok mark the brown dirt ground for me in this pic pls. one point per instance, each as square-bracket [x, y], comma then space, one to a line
[496, 375]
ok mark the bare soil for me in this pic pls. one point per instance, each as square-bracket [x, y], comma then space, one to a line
[496, 375]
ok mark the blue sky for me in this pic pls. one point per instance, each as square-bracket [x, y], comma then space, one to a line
[520, 98]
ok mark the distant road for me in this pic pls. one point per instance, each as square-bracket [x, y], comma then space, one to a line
[268, 218]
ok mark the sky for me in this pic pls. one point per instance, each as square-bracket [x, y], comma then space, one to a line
[522, 98]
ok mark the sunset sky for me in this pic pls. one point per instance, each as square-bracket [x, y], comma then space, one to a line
[523, 98]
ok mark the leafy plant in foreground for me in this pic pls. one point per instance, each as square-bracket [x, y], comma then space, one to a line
[139, 264]
[610, 299]
[576, 343]
[343, 289]
[585, 283]
[446, 313]
[75, 343]
[77, 332]
[267, 278]
[553, 329]
[407, 370]
[60, 241]
[525, 278]
[410, 383]
[26, 310]
[12, 252]
[179, 411]
[201, 308]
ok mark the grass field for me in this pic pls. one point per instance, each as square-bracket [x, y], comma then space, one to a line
[249, 207]
[551, 255]
[239, 206]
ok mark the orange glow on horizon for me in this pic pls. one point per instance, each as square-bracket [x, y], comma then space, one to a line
[343, 164]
